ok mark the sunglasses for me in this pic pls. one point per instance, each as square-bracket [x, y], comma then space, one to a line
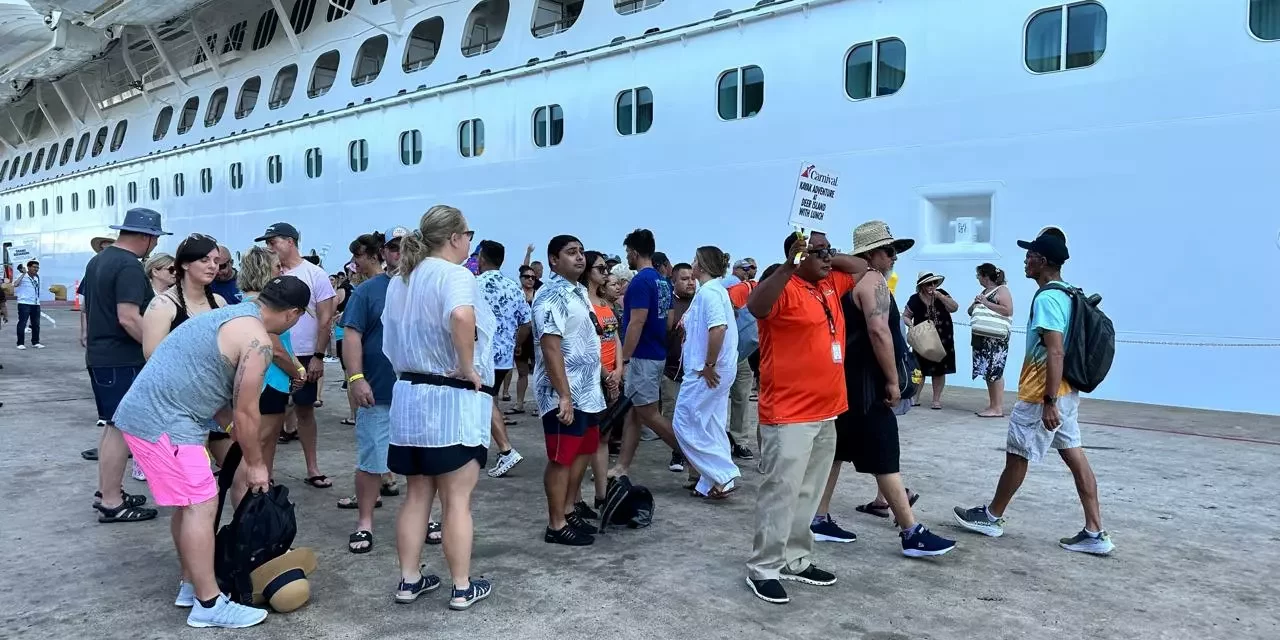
[601, 269]
[823, 254]
[471, 235]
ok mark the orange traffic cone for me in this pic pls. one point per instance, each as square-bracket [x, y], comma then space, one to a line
[75, 298]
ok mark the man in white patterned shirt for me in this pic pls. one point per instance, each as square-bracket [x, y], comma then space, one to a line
[506, 298]
[566, 384]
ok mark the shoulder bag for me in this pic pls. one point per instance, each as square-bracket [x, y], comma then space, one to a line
[988, 323]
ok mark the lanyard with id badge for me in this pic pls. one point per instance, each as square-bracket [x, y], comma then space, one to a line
[837, 350]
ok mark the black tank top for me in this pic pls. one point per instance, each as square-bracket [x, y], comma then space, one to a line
[863, 378]
[346, 286]
[181, 315]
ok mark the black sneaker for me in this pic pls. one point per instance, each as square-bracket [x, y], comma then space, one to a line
[742, 453]
[575, 521]
[568, 536]
[584, 511]
[825, 529]
[812, 575]
[677, 462]
[769, 591]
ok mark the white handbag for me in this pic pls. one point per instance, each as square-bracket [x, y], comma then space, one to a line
[987, 323]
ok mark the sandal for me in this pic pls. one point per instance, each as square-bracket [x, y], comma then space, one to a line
[349, 422]
[514, 411]
[320, 482]
[718, 493]
[124, 513]
[434, 529]
[389, 489]
[130, 499]
[353, 503]
[506, 397]
[90, 454]
[362, 536]
[508, 422]
[873, 509]
[287, 436]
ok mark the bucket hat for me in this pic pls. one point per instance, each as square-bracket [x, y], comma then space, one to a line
[141, 220]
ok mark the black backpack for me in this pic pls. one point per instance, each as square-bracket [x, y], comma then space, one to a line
[262, 529]
[626, 504]
[1091, 341]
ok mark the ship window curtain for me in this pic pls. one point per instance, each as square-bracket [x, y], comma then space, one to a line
[1086, 34]
[1264, 19]
[1044, 41]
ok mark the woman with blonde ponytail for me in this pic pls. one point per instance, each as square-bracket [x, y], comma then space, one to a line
[710, 361]
[438, 334]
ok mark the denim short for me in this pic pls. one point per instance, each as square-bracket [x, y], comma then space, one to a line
[373, 436]
[109, 386]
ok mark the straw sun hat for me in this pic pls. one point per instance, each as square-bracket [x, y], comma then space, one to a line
[875, 234]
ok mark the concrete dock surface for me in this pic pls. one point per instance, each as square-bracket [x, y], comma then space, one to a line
[1189, 497]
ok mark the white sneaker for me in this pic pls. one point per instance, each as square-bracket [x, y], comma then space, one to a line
[22, 347]
[38, 345]
[102, 423]
[137, 472]
[505, 464]
[330, 359]
[225, 614]
[186, 595]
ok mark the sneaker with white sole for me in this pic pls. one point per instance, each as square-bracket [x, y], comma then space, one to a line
[919, 542]
[22, 347]
[463, 599]
[137, 472]
[979, 521]
[407, 592]
[812, 575]
[769, 591]
[38, 345]
[224, 614]
[186, 595]
[506, 462]
[1098, 544]
[102, 423]
[825, 529]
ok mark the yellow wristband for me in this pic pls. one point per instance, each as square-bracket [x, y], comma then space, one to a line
[353, 378]
[302, 370]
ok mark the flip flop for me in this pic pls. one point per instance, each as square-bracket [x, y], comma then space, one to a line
[287, 436]
[351, 502]
[507, 422]
[319, 481]
[358, 537]
[513, 411]
[389, 489]
[349, 422]
[434, 528]
[90, 454]
[506, 397]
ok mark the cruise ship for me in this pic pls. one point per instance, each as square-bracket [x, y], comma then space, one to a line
[1139, 129]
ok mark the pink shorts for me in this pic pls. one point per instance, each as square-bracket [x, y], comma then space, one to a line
[178, 475]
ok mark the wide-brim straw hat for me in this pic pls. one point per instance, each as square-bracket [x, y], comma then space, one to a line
[872, 235]
[928, 277]
[282, 582]
[99, 243]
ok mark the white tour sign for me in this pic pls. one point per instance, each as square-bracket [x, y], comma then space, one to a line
[814, 198]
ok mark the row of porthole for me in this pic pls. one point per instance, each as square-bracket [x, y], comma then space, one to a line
[21, 166]
[91, 196]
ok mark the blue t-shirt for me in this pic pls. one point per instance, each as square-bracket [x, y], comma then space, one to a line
[649, 290]
[276, 377]
[227, 289]
[364, 314]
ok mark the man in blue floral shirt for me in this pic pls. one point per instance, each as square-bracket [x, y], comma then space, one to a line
[507, 301]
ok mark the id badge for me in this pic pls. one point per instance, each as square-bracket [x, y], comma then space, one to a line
[837, 356]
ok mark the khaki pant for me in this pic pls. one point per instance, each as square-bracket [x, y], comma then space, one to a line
[739, 403]
[669, 390]
[796, 459]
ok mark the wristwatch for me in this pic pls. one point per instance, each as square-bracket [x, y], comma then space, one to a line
[318, 354]
[1048, 399]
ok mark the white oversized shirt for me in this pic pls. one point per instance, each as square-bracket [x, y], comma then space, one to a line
[27, 289]
[710, 308]
[561, 308]
[416, 337]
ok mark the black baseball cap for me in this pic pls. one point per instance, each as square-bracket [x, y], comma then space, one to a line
[279, 230]
[1053, 248]
[286, 292]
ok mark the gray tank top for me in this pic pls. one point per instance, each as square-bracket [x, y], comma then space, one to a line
[184, 383]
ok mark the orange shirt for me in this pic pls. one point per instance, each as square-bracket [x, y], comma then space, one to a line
[739, 293]
[608, 334]
[800, 380]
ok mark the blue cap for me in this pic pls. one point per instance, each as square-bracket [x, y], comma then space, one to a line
[142, 220]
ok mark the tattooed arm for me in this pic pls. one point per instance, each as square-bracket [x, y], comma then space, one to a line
[245, 342]
[872, 293]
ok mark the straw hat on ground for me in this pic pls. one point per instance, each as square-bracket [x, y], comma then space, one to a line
[872, 235]
[282, 582]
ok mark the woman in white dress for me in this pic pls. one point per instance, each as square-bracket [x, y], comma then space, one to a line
[438, 333]
[710, 361]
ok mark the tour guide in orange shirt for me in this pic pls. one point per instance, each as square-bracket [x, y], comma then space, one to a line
[801, 392]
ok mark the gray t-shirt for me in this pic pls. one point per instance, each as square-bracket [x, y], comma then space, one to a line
[184, 383]
[112, 277]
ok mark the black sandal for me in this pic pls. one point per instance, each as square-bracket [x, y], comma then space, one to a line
[287, 436]
[348, 422]
[124, 513]
[358, 537]
[873, 509]
[130, 499]
[353, 503]
[389, 490]
[434, 527]
[514, 411]
[90, 454]
[317, 481]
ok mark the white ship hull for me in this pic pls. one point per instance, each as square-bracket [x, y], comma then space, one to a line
[1151, 159]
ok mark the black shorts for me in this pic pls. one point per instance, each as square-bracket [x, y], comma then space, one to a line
[109, 386]
[306, 396]
[272, 402]
[869, 441]
[499, 375]
[433, 461]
